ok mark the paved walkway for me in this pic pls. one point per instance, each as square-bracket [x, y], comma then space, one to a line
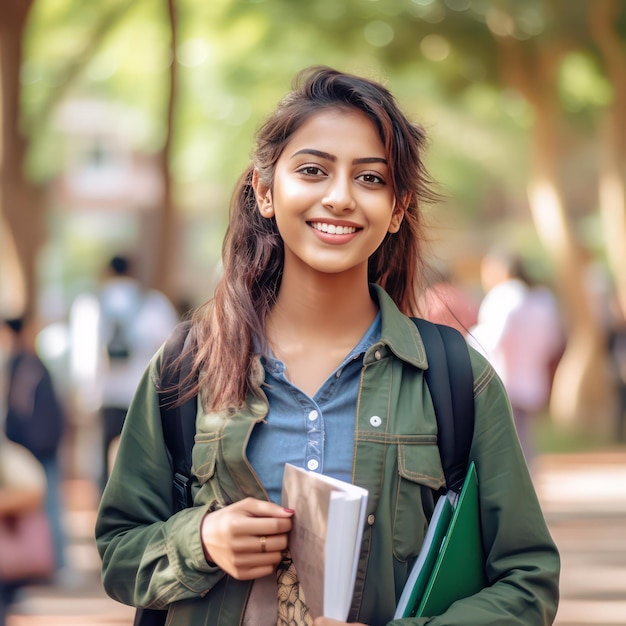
[583, 495]
[584, 499]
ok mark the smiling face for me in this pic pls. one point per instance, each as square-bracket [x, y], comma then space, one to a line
[332, 195]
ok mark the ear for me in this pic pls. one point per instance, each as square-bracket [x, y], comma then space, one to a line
[397, 215]
[263, 195]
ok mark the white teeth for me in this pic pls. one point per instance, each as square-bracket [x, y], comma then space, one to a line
[332, 229]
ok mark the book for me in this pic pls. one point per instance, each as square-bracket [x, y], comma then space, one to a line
[451, 562]
[325, 539]
[420, 572]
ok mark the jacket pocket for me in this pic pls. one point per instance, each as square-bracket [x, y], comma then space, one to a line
[204, 457]
[420, 473]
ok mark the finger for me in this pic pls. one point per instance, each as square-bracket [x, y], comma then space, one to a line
[263, 508]
[259, 544]
[257, 559]
[248, 566]
[268, 543]
[253, 573]
[244, 525]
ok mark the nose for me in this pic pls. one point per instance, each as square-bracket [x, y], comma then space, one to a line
[339, 196]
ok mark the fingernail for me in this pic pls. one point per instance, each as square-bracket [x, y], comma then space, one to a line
[288, 510]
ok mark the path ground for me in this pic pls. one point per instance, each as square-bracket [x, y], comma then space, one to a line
[583, 496]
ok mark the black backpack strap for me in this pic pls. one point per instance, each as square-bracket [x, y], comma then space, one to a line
[451, 384]
[178, 420]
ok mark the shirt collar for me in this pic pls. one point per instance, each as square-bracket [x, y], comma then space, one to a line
[371, 337]
[399, 333]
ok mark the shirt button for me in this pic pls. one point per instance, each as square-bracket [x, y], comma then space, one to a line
[312, 464]
[375, 421]
[377, 355]
[313, 415]
[371, 518]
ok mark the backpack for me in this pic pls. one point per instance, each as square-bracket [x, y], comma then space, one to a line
[120, 307]
[449, 379]
[119, 345]
[35, 416]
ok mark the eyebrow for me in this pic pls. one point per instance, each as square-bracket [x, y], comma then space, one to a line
[333, 158]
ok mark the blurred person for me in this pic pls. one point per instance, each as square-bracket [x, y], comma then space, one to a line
[22, 489]
[445, 301]
[519, 329]
[35, 417]
[306, 354]
[125, 323]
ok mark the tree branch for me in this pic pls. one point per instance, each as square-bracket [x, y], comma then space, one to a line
[80, 61]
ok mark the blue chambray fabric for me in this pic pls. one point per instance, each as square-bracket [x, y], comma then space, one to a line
[314, 433]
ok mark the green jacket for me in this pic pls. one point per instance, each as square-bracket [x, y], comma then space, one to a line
[155, 559]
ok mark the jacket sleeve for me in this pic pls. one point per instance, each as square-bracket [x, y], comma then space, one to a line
[150, 556]
[522, 561]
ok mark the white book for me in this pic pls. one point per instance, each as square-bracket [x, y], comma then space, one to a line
[325, 539]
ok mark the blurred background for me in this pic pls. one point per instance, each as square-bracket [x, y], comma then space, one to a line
[125, 124]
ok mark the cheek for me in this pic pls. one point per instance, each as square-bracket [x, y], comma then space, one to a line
[290, 192]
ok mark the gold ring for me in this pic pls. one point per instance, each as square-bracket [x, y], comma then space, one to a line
[263, 541]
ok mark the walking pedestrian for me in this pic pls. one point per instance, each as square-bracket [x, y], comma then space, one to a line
[520, 331]
[36, 418]
[127, 322]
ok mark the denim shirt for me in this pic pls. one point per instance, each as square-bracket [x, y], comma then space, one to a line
[153, 558]
[314, 433]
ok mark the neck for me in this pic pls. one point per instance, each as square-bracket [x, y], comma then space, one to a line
[325, 306]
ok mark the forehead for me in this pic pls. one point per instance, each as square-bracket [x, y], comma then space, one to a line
[336, 131]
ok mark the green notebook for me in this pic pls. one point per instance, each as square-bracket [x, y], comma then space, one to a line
[451, 563]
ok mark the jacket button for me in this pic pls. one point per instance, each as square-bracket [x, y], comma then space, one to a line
[371, 518]
[375, 421]
[377, 355]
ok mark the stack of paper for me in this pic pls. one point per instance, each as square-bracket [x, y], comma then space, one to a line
[325, 539]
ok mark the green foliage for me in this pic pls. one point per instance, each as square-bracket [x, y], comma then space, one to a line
[582, 84]
[236, 58]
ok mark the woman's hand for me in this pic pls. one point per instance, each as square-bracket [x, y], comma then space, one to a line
[246, 539]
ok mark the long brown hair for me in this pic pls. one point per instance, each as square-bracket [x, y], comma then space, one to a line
[230, 328]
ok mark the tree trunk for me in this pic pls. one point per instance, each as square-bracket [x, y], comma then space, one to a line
[20, 201]
[165, 250]
[612, 182]
[582, 396]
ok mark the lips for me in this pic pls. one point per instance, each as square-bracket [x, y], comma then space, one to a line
[333, 229]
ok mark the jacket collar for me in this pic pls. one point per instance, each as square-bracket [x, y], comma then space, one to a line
[398, 333]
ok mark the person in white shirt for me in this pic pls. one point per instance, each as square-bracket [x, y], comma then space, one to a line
[115, 333]
[519, 330]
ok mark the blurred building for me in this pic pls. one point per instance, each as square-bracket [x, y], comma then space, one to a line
[108, 184]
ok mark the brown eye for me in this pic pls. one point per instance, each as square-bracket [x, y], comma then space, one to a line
[311, 170]
[372, 179]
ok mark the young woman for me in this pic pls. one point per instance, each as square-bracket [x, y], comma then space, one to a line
[306, 355]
